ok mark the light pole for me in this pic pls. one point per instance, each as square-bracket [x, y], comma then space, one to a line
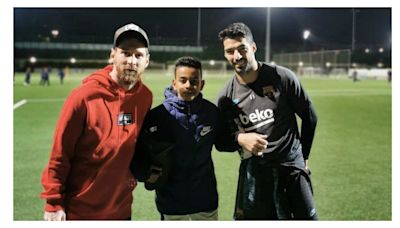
[268, 36]
[353, 33]
[198, 26]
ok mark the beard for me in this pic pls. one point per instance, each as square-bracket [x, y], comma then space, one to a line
[242, 67]
[129, 77]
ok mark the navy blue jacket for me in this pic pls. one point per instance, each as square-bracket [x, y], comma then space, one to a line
[193, 128]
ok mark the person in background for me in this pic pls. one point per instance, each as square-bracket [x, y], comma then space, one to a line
[61, 74]
[27, 80]
[355, 75]
[45, 76]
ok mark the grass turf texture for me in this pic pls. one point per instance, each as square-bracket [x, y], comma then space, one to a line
[350, 158]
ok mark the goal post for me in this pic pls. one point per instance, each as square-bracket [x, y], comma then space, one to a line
[214, 68]
[325, 62]
[210, 68]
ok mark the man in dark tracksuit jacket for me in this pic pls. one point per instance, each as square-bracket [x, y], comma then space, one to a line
[262, 101]
[176, 141]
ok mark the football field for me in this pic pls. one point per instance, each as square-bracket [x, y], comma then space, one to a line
[350, 159]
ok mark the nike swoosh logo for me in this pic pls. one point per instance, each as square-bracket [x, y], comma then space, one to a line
[205, 131]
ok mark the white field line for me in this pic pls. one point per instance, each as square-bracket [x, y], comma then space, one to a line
[24, 101]
[43, 100]
[19, 103]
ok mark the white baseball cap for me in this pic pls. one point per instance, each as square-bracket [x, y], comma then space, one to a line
[131, 28]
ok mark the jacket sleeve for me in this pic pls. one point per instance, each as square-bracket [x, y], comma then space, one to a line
[227, 129]
[303, 107]
[140, 164]
[308, 124]
[151, 162]
[68, 130]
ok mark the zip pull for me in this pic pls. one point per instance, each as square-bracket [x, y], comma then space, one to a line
[189, 111]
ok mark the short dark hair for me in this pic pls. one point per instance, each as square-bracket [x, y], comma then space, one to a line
[188, 61]
[236, 30]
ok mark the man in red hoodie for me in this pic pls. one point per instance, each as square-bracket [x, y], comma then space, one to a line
[88, 176]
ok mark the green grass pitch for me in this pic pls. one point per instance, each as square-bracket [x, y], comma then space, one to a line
[350, 158]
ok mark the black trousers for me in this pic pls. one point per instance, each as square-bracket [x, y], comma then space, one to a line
[273, 193]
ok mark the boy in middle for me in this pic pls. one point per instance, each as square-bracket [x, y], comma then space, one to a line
[173, 154]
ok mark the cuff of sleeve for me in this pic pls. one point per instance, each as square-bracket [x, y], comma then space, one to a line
[236, 138]
[53, 206]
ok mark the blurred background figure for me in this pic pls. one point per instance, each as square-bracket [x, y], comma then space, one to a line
[61, 74]
[45, 77]
[27, 80]
[355, 74]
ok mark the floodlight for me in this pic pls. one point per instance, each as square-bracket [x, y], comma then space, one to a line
[32, 59]
[306, 34]
[55, 33]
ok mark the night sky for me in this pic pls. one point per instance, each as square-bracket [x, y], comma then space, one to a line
[330, 27]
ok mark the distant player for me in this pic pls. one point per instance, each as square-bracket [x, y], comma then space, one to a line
[355, 75]
[45, 76]
[61, 74]
[274, 179]
[27, 80]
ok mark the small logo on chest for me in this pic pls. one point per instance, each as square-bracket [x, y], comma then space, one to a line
[269, 91]
[205, 130]
[125, 119]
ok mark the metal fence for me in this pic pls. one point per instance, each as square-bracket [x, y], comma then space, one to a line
[317, 59]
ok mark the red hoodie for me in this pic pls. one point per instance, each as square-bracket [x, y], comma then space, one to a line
[88, 173]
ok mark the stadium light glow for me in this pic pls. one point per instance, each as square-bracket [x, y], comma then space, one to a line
[32, 59]
[301, 64]
[306, 34]
[328, 64]
[55, 33]
[381, 50]
[272, 63]
[367, 50]
[212, 62]
[72, 60]
[380, 65]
